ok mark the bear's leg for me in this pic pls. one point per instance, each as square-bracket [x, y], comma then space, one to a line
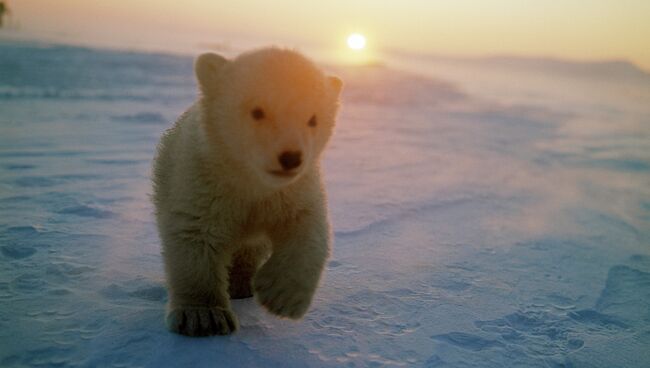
[245, 263]
[286, 283]
[198, 282]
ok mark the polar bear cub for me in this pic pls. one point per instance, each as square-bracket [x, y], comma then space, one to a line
[240, 203]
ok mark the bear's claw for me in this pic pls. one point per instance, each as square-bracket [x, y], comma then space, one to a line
[201, 321]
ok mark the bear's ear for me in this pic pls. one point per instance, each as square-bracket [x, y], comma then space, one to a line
[335, 84]
[207, 68]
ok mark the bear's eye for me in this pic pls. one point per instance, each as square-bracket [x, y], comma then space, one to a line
[257, 113]
[312, 121]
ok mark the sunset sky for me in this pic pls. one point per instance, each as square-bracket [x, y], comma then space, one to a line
[575, 29]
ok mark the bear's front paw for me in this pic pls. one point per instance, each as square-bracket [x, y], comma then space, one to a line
[201, 321]
[280, 296]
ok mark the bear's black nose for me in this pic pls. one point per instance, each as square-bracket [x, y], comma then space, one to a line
[290, 159]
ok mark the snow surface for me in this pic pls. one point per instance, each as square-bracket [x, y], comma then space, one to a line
[485, 215]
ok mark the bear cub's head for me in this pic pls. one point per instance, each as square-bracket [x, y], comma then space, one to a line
[270, 111]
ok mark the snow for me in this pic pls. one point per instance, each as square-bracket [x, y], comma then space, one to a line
[486, 213]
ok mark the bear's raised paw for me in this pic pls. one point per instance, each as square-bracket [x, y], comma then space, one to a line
[280, 296]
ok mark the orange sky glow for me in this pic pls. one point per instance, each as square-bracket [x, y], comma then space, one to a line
[573, 29]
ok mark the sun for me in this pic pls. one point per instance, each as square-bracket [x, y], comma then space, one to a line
[356, 41]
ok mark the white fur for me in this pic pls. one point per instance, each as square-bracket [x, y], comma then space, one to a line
[224, 215]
